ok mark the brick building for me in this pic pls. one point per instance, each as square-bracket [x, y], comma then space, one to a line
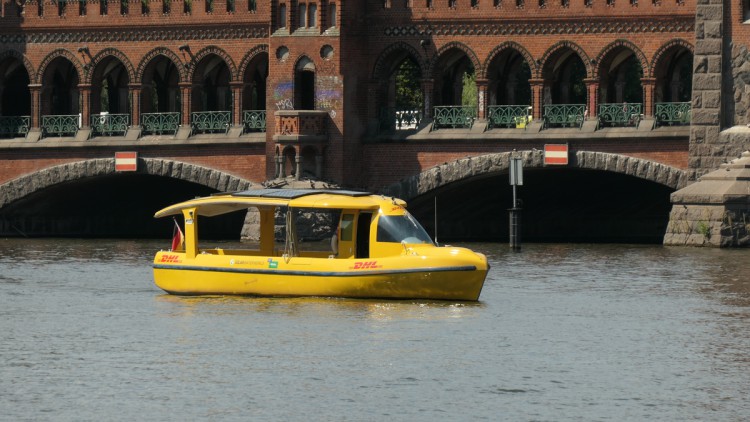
[372, 93]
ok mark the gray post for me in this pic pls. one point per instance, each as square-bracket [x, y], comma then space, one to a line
[516, 179]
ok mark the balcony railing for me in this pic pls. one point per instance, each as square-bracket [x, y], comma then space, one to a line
[60, 125]
[619, 114]
[392, 119]
[564, 115]
[160, 123]
[454, 116]
[210, 121]
[672, 113]
[254, 121]
[14, 126]
[302, 124]
[110, 124]
[508, 116]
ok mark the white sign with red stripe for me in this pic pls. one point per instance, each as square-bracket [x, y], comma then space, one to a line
[556, 154]
[126, 161]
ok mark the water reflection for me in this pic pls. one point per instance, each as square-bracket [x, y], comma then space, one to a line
[316, 307]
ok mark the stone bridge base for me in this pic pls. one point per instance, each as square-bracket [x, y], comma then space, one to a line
[715, 211]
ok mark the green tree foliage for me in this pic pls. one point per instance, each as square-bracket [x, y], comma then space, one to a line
[469, 95]
[408, 86]
[633, 90]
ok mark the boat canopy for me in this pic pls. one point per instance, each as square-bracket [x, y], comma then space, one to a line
[295, 198]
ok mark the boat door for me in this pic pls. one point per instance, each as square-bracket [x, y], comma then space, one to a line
[354, 234]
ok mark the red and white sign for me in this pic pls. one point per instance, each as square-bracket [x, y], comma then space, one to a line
[126, 161]
[556, 154]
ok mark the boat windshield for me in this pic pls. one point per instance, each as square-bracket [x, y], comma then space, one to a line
[401, 228]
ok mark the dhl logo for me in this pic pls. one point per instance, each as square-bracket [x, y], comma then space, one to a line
[366, 265]
[170, 258]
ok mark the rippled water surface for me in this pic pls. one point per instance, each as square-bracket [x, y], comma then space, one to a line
[562, 332]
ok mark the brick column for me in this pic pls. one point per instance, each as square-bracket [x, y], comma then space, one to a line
[85, 106]
[537, 86]
[592, 91]
[36, 106]
[427, 92]
[135, 104]
[482, 98]
[648, 85]
[236, 88]
[186, 92]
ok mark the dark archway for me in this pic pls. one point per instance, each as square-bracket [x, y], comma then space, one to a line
[15, 97]
[563, 75]
[109, 92]
[673, 71]
[60, 88]
[211, 85]
[160, 92]
[304, 85]
[508, 75]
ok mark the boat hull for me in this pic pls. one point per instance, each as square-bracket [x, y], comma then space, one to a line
[396, 278]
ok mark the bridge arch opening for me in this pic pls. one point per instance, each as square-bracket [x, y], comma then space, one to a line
[89, 199]
[559, 205]
[116, 205]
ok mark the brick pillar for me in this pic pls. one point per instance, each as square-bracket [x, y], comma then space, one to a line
[592, 90]
[236, 88]
[36, 106]
[85, 107]
[427, 91]
[648, 96]
[186, 94]
[537, 86]
[135, 104]
[482, 98]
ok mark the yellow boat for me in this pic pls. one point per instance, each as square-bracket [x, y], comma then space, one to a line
[378, 250]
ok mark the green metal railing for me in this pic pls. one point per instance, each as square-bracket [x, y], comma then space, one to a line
[392, 119]
[619, 114]
[454, 116]
[564, 115]
[160, 123]
[110, 124]
[13, 126]
[210, 121]
[672, 113]
[254, 121]
[60, 125]
[511, 116]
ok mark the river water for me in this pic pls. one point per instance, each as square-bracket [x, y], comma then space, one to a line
[561, 333]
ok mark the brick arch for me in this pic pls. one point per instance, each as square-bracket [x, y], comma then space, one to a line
[676, 42]
[23, 186]
[249, 57]
[60, 52]
[110, 52]
[454, 45]
[380, 70]
[22, 58]
[161, 51]
[469, 167]
[557, 48]
[508, 45]
[212, 49]
[645, 65]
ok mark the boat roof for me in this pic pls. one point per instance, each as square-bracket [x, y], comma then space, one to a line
[223, 203]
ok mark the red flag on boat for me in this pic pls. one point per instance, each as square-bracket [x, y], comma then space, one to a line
[177, 237]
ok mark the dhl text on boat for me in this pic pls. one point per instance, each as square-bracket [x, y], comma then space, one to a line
[363, 246]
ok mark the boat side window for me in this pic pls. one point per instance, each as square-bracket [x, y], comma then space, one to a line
[347, 227]
[401, 228]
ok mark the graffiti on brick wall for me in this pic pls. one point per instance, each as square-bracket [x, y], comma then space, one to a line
[328, 94]
[282, 96]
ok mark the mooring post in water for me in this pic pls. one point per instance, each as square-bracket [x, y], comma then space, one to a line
[516, 179]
